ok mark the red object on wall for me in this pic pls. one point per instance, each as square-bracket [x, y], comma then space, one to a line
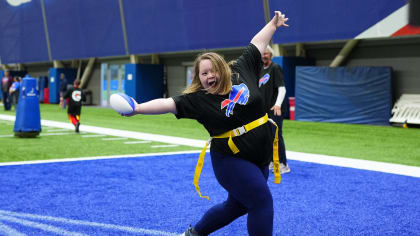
[292, 108]
[46, 96]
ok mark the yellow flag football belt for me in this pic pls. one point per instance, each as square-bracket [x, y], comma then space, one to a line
[238, 132]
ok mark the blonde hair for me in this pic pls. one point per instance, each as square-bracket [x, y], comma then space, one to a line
[270, 50]
[224, 85]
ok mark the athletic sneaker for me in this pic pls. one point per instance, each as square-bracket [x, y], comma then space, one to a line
[271, 166]
[77, 127]
[190, 232]
[284, 168]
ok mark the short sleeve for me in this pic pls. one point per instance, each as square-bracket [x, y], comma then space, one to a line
[278, 76]
[251, 60]
[185, 106]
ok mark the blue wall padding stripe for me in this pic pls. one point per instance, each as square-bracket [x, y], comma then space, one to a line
[360, 95]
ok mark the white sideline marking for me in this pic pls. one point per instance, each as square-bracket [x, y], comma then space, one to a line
[135, 142]
[110, 139]
[9, 231]
[87, 223]
[355, 163]
[41, 226]
[56, 130]
[6, 135]
[299, 156]
[95, 158]
[93, 135]
[160, 146]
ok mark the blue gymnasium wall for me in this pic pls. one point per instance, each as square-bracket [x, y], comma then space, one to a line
[22, 36]
[358, 95]
[177, 25]
[330, 19]
[93, 28]
[84, 28]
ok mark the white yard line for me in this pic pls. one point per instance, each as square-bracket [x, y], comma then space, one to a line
[307, 157]
[111, 139]
[136, 142]
[93, 135]
[8, 231]
[41, 226]
[49, 134]
[15, 217]
[161, 146]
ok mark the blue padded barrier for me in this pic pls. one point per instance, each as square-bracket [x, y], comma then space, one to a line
[360, 95]
[54, 82]
[28, 116]
[288, 65]
[144, 82]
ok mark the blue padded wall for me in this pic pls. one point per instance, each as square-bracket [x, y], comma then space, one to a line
[86, 28]
[22, 35]
[144, 82]
[54, 82]
[178, 25]
[288, 65]
[359, 95]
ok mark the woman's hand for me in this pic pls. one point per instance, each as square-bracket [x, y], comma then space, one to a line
[279, 19]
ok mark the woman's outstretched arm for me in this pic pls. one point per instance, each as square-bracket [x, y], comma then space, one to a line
[262, 38]
[154, 107]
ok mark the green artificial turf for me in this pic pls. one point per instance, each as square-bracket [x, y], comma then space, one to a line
[378, 143]
[68, 144]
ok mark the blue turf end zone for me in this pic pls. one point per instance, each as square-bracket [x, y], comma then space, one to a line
[155, 196]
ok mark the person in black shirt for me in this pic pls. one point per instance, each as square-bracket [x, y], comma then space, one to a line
[223, 98]
[76, 96]
[63, 90]
[273, 89]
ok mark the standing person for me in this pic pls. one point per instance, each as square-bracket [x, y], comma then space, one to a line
[6, 82]
[63, 90]
[75, 96]
[14, 92]
[228, 103]
[272, 86]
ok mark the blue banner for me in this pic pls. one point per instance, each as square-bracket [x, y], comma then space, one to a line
[359, 95]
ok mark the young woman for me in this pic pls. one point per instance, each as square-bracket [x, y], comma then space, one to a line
[223, 98]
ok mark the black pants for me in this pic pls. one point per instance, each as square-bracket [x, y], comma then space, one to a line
[282, 148]
[6, 101]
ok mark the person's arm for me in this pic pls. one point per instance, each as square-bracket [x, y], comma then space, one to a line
[262, 38]
[279, 101]
[154, 107]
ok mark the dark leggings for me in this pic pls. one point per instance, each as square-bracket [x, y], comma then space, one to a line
[248, 191]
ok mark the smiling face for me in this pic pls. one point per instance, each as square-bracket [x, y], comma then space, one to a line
[266, 57]
[208, 76]
[212, 74]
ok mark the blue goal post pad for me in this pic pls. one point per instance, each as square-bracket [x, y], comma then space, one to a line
[358, 95]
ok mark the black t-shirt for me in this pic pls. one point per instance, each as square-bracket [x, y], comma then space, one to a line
[76, 96]
[221, 113]
[271, 79]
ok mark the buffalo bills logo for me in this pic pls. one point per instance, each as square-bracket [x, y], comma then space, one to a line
[239, 94]
[263, 80]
